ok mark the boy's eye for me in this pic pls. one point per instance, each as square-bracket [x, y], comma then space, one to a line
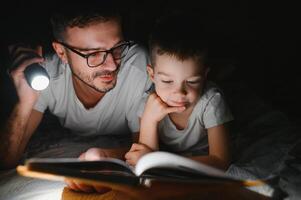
[166, 81]
[193, 82]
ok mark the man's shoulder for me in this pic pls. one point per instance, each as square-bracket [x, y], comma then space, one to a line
[137, 57]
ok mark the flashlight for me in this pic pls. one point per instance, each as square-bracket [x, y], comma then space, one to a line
[36, 76]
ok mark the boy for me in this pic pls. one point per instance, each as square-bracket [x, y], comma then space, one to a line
[185, 113]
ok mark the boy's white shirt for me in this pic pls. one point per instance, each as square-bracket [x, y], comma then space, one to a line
[211, 110]
[115, 114]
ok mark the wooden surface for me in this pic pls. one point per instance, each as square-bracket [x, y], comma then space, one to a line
[157, 190]
[171, 191]
[111, 195]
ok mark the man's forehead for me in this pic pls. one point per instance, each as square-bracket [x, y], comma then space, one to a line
[99, 36]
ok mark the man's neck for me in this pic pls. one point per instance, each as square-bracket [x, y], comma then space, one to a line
[88, 96]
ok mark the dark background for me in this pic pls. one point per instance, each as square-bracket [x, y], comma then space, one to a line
[259, 38]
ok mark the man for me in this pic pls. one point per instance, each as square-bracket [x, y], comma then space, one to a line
[96, 78]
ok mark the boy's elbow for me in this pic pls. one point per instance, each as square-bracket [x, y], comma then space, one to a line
[224, 165]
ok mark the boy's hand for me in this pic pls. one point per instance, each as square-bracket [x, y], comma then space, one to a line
[156, 109]
[90, 154]
[136, 152]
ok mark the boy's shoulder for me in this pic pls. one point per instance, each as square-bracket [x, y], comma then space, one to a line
[211, 89]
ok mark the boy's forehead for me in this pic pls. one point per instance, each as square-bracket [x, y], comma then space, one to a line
[168, 59]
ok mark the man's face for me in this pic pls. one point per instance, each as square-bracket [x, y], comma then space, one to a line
[97, 36]
[178, 83]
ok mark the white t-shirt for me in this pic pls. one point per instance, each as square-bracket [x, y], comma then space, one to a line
[115, 113]
[211, 110]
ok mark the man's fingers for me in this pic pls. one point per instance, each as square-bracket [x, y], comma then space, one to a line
[94, 154]
[16, 52]
[82, 156]
[71, 185]
[22, 56]
[13, 47]
[101, 189]
[39, 50]
[81, 187]
[84, 187]
[21, 66]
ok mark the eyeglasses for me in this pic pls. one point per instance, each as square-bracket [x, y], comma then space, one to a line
[97, 58]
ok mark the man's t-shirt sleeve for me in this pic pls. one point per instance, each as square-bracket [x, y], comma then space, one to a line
[42, 102]
[142, 83]
[216, 112]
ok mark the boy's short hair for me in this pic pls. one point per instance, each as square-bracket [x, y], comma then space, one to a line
[180, 35]
[81, 14]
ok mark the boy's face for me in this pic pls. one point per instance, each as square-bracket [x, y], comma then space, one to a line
[178, 83]
[97, 36]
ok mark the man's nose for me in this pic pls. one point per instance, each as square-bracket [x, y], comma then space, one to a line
[110, 63]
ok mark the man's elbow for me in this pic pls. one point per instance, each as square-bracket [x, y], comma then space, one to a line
[7, 163]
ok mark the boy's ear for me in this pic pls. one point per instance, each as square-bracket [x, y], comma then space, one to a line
[60, 51]
[207, 70]
[150, 72]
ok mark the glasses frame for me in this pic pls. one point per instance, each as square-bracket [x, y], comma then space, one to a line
[86, 56]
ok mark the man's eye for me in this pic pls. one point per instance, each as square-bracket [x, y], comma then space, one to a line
[166, 81]
[96, 54]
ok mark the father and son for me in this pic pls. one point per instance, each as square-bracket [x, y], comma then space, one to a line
[103, 84]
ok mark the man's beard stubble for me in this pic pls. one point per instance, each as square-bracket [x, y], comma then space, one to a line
[94, 76]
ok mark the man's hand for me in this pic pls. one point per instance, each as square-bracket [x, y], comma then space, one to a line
[136, 152]
[90, 154]
[22, 57]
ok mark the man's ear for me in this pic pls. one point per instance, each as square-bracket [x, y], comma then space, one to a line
[150, 72]
[60, 51]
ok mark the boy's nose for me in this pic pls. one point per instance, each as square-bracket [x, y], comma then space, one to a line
[181, 90]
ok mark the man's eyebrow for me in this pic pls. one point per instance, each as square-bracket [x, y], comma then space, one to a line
[98, 48]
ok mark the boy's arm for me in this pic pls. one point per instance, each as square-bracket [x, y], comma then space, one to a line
[148, 134]
[155, 110]
[219, 153]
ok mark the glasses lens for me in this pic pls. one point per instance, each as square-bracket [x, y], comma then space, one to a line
[96, 58]
[120, 51]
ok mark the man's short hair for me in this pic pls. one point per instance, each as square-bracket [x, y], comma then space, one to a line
[81, 14]
[180, 35]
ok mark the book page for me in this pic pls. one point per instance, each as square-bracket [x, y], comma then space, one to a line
[172, 161]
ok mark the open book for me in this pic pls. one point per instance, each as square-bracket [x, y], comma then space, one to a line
[155, 166]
